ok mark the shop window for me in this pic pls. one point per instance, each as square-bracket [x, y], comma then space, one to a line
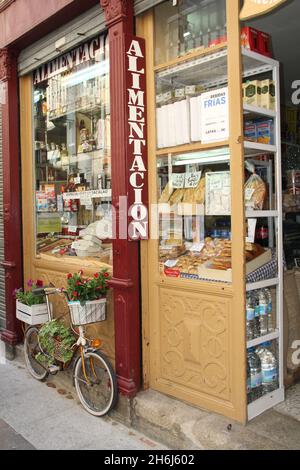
[72, 154]
[188, 25]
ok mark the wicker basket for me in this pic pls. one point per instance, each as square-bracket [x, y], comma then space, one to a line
[92, 312]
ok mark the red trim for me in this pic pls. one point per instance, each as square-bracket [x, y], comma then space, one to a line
[119, 18]
[11, 193]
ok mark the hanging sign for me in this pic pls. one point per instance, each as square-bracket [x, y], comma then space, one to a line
[252, 8]
[214, 115]
[136, 138]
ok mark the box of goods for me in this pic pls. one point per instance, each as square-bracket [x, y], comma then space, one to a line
[252, 92]
[218, 268]
[217, 41]
[264, 44]
[250, 39]
[265, 132]
[250, 131]
[267, 99]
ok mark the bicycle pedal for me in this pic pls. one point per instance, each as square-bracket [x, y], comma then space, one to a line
[54, 369]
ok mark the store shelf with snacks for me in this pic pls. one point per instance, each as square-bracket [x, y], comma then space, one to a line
[263, 339]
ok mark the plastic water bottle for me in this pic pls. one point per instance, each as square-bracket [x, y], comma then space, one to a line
[249, 318]
[270, 310]
[269, 368]
[256, 316]
[255, 375]
[248, 384]
[263, 313]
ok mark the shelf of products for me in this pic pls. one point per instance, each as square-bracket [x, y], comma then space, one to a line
[73, 161]
[194, 193]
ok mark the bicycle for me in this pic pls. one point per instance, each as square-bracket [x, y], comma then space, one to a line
[93, 375]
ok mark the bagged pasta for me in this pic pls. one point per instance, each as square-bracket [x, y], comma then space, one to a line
[255, 192]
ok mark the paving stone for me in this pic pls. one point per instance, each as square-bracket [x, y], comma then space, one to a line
[291, 406]
[11, 440]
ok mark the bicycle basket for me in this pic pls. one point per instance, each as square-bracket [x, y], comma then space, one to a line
[92, 312]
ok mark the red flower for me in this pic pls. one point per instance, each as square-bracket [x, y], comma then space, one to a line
[75, 294]
[39, 283]
[106, 275]
[96, 276]
[70, 276]
[78, 283]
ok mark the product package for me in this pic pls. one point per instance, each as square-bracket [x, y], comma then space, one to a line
[250, 39]
[250, 131]
[252, 92]
[265, 132]
[255, 192]
[268, 94]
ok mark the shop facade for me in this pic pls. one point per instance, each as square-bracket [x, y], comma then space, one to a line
[110, 104]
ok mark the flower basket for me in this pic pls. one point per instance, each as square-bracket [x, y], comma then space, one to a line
[32, 315]
[92, 312]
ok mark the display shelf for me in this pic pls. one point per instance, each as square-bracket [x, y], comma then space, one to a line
[208, 64]
[255, 110]
[252, 214]
[192, 147]
[86, 110]
[253, 149]
[263, 339]
[265, 403]
[262, 284]
[184, 209]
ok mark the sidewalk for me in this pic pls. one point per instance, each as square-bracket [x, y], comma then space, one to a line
[171, 422]
[34, 415]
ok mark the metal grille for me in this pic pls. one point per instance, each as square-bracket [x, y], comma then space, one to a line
[2, 278]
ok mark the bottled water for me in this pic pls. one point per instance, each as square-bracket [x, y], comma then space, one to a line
[263, 312]
[256, 316]
[248, 384]
[249, 318]
[270, 309]
[269, 367]
[255, 375]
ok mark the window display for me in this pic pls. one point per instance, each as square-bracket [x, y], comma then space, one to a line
[72, 154]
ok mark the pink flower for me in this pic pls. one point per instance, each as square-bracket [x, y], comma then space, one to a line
[30, 283]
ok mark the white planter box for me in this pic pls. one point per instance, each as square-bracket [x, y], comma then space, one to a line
[34, 315]
[92, 312]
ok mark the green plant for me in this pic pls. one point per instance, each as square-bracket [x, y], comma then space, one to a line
[84, 289]
[27, 297]
[50, 333]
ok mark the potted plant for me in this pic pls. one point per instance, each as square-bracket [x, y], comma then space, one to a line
[87, 297]
[56, 341]
[30, 308]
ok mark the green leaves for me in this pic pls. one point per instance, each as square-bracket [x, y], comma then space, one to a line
[51, 332]
[84, 289]
[27, 297]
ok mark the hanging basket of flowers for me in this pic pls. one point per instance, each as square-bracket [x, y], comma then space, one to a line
[87, 297]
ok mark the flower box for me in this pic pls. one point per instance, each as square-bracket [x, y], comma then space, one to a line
[92, 312]
[32, 315]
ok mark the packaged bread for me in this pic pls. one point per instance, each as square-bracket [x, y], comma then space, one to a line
[177, 196]
[255, 192]
[165, 195]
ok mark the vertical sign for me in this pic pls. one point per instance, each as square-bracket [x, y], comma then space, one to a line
[252, 8]
[136, 138]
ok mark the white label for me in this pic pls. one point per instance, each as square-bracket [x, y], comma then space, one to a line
[171, 263]
[72, 229]
[249, 193]
[251, 230]
[197, 247]
[214, 115]
[192, 179]
[178, 180]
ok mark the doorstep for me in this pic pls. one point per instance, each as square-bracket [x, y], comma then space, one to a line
[181, 426]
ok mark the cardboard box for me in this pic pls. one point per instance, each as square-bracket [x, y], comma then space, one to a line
[252, 92]
[250, 131]
[264, 44]
[267, 99]
[250, 39]
[265, 132]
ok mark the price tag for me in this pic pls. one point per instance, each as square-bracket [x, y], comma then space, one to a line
[251, 230]
[192, 179]
[178, 180]
[72, 229]
[249, 193]
[197, 247]
[171, 263]
[77, 180]
[86, 199]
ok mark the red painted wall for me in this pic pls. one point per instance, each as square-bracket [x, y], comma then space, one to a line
[30, 16]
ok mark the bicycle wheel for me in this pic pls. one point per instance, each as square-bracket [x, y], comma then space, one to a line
[31, 349]
[98, 395]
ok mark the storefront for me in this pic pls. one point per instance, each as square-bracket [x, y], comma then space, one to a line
[212, 183]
